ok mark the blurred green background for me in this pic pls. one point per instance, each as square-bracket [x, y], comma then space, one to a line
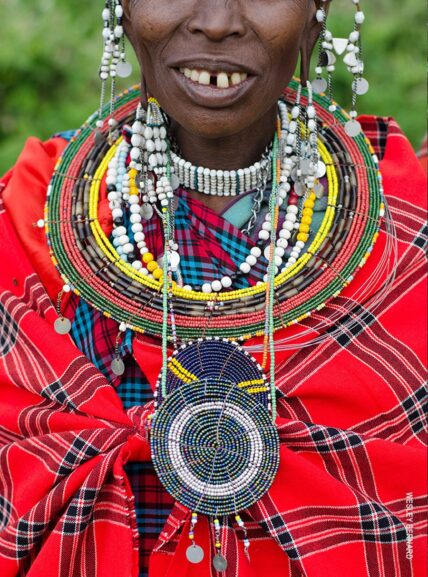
[50, 50]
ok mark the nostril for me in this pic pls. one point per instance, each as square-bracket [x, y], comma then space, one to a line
[217, 24]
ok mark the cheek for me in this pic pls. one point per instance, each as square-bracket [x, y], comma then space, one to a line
[153, 21]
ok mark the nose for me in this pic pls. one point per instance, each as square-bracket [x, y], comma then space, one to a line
[217, 19]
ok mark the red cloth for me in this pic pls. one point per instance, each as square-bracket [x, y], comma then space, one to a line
[351, 422]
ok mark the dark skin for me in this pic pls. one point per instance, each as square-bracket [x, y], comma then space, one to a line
[262, 38]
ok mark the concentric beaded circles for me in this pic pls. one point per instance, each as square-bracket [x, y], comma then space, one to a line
[207, 358]
[317, 276]
[214, 447]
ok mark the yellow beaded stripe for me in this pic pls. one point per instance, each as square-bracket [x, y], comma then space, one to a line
[183, 374]
[253, 389]
[108, 249]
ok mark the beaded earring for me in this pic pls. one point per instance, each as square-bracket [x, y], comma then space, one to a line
[351, 49]
[113, 60]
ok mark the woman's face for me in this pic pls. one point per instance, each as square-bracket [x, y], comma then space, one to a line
[216, 66]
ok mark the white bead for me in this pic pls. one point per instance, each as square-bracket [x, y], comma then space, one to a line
[251, 260]
[359, 17]
[137, 264]
[127, 248]
[116, 213]
[206, 287]
[288, 225]
[216, 286]
[245, 267]
[119, 231]
[255, 251]
[139, 236]
[66, 288]
[284, 233]
[226, 282]
[282, 242]
[264, 234]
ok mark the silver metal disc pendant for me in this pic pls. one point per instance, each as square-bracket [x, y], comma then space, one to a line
[220, 563]
[124, 69]
[319, 85]
[118, 367]
[174, 259]
[175, 183]
[99, 138]
[321, 169]
[62, 326]
[319, 190]
[195, 554]
[361, 86]
[146, 211]
[299, 188]
[353, 128]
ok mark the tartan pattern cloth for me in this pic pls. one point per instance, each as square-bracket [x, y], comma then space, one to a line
[350, 494]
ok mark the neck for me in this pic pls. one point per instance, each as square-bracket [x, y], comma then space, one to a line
[226, 153]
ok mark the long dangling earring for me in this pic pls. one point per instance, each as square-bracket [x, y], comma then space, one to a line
[113, 61]
[351, 47]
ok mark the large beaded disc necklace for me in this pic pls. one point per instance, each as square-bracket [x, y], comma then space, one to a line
[213, 438]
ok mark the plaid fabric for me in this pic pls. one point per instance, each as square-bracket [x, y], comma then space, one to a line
[351, 417]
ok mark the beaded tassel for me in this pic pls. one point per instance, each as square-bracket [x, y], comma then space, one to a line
[219, 562]
[194, 553]
[351, 48]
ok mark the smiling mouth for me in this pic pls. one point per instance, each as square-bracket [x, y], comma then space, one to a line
[221, 80]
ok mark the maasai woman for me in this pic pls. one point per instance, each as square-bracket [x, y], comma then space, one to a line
[212, 302]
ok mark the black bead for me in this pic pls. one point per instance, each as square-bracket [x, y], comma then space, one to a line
[111, 188]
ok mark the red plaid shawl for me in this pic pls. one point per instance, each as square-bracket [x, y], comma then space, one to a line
[349, 497]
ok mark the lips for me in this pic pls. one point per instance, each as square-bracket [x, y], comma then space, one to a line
[211, 83]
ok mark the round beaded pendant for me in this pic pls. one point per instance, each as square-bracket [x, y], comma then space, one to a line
[214, 445]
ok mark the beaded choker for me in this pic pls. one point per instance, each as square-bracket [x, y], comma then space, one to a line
[222, 182]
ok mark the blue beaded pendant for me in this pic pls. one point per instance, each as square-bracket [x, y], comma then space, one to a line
[214, 445]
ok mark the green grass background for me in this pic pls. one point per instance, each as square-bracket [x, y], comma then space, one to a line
[50, 50]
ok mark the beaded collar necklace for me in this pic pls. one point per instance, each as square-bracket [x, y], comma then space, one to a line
[213, 401]
[91, 266]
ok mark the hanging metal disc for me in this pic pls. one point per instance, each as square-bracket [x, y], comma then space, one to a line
[124, 69]
[146, 211]
[174, 259]
[195, 554]
[99, 138]
[175, 183]
[319, 190]
[220, 563]
[321, 169]
[319, 85]
[62, 326]
[118, 366]
[361, 86]
[353, 128]
[299, 188]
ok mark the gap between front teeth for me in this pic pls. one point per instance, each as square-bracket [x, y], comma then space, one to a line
[223, 80]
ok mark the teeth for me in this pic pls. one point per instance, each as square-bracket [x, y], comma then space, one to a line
[235, 78]
[194, 76]
[204, 78]
[223, 80]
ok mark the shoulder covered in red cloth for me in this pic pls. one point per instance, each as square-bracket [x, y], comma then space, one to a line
[24, 187]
